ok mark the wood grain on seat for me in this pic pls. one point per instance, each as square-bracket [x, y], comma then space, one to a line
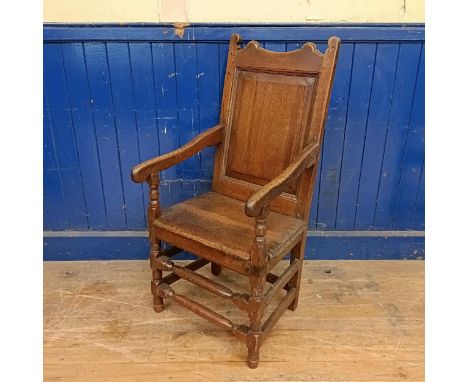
[219, 222]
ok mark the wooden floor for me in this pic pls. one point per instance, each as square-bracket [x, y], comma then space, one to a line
[356, 321]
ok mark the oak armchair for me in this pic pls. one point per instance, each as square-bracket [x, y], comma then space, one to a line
[268, 142]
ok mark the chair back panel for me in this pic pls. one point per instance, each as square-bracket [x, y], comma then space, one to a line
[269, 121]
[269, 105]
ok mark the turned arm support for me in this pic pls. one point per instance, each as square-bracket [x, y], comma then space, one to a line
[264, 195]
[210, 137]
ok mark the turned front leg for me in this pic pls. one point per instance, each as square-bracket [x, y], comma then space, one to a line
[158, 303]
[155, 245]
[257, 279]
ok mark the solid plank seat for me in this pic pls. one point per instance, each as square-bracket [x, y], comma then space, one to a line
[267, 143]
[220, 222]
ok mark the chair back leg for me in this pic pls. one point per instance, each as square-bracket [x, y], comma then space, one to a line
[215, 269]
[297, 253]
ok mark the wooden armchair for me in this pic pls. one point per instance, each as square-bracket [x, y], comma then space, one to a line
[268, 140]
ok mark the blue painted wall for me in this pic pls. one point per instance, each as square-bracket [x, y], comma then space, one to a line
[117, 95]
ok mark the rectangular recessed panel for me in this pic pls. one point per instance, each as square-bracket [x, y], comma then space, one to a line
[269, 121]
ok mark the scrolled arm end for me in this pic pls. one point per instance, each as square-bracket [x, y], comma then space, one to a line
[252, 207]
[138, 174]
[210, 137]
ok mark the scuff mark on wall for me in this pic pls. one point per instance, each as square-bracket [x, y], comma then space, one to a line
[180, 29]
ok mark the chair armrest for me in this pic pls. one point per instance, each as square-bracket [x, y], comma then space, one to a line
[209, 137]
[264, 195]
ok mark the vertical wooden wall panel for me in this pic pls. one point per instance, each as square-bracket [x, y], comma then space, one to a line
[356, 123]
[141, 63]
[118, 95]
[78, 93]
[418, 220]
[55, 214]
[61, 124]
[332, 149]
[413, 159]
[223, 52]
[166, 103]
[144, 99]
[185, 56]
[313, 218]
[402, 103]
[106, 135]
[123, 105]
[208, 85]
[376, 133]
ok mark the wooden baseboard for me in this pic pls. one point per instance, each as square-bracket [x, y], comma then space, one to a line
[330, 245]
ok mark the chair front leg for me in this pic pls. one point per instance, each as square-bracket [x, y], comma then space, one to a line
[155, 245]
[257, 279]
[158, 303]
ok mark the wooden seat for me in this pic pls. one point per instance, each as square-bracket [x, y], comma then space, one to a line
[220, 222]
[267, 142]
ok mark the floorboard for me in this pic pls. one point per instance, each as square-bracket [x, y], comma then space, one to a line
[356, 321]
